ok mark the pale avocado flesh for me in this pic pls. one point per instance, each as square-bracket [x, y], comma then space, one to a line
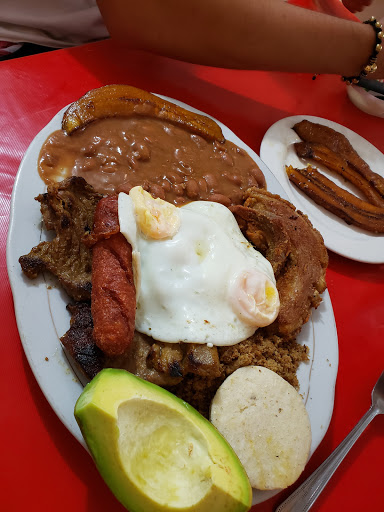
[155, 452]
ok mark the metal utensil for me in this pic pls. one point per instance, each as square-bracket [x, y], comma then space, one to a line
[304, 497]
[372, 85]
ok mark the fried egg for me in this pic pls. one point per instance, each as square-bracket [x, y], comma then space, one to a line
[198, 279]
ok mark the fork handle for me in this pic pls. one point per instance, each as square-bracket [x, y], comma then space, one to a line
[304, 497]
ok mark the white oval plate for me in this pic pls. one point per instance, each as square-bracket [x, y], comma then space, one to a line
[42, 317]
[277, 151]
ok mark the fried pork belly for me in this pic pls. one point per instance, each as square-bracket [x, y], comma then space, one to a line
[166, 358]
[164, 364]
[266, 232]
[80, 345]
[180, 359]
[67, 208]
[299, 266]
[144, 359]
[192, 372]
[201, 360]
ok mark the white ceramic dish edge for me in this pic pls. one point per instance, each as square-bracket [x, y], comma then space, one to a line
[47, 359]
[276, 151]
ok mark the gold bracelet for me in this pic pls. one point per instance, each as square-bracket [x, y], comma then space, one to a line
[371, 67]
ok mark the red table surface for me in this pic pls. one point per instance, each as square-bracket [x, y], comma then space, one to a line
[42, 466]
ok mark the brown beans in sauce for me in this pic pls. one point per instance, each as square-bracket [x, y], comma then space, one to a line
[157, 191]
[178, 189]
[210, 180]
[251, 181]
[203, 187]
[174, 178]
[256, 172]
[166, 185]
[117, 154]
[234, 178]
[192, 189]
[227, 159]
[220, 198]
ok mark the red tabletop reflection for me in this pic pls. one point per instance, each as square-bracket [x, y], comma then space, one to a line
[43, 467]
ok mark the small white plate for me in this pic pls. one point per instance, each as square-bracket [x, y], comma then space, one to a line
[277, 151]
[42, 318]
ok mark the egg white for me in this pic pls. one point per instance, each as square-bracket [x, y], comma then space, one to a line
[185, 280]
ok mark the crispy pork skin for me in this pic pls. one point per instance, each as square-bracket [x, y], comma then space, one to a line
[267, 233]
[300, 266]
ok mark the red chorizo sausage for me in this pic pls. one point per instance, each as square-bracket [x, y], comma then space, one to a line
[113, 290]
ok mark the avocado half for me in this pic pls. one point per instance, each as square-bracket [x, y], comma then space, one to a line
[156, 452]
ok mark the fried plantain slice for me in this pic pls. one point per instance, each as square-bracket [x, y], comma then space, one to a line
[335, 141]
[125, 100]
[340, 166]
[337, 200]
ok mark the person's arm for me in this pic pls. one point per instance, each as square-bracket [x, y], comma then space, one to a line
[243, 34]
[356, 5]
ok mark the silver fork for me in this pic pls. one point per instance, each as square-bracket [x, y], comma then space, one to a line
[305, 496]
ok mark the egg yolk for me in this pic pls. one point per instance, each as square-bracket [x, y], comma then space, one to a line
[254, 298]
[156, 218]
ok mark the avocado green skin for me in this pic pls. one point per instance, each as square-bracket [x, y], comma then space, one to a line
[96, 412]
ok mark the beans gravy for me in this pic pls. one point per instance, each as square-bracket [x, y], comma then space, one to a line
[115, 154]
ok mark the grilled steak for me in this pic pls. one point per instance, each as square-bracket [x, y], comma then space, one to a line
[67, 208]
[80, 346]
